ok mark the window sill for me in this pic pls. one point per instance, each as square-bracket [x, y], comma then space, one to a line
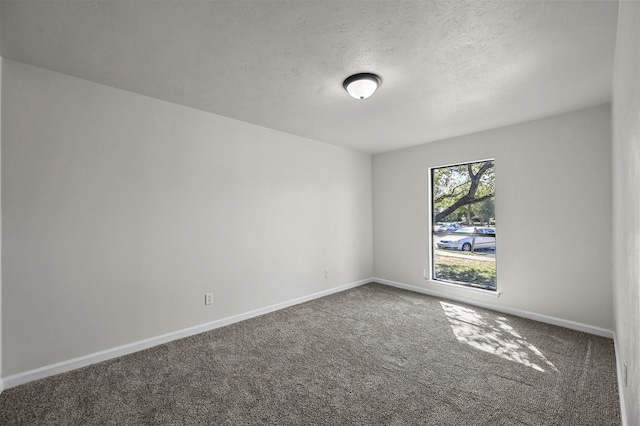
[464, 288]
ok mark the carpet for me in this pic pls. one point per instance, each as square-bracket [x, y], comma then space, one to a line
[369, 355]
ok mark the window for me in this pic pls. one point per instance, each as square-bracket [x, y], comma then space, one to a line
[464, 224]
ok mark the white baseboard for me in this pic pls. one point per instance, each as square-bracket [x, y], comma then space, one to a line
[620, 373]
[83, 361]
[507, 310]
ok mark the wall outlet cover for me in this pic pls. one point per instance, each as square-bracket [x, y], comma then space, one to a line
[208, 298]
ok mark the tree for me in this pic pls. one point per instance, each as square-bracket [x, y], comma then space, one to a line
[487, 210]
[459, 186]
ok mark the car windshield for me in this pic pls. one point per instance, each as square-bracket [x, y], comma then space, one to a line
[466, 230]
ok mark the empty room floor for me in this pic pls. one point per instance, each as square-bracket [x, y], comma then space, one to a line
[370, 355]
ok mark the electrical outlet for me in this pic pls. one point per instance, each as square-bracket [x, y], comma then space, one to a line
[423, 273]
[327, 273]
[208, 298]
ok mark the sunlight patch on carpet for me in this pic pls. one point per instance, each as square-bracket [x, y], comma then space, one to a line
[494, 336]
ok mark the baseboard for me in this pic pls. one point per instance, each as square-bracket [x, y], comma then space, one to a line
[83, 361]
[1, 385]
[620, 373]
[511, 311]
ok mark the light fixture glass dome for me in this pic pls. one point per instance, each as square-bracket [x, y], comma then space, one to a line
[361, 86]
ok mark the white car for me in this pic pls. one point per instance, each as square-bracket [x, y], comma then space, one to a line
[463, 242]
[448, 227]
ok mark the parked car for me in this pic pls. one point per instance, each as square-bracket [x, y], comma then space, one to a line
[464, 242]
[448, 227]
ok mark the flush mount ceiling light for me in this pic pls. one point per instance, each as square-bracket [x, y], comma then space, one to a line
[361, 86]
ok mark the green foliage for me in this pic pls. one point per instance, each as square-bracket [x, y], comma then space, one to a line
[486, 209]
[477, 273]
[451, 184]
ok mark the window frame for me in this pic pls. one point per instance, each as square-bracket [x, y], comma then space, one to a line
[430, 276]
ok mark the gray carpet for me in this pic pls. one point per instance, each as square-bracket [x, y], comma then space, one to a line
[371, 355]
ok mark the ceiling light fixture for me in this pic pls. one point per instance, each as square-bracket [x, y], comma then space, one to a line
[361, 86]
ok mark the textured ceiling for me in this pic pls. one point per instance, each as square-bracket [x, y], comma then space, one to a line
[449, 67]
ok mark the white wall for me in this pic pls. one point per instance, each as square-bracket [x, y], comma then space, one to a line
[121, 211]
[626, 201]
[1, 381]
[553, 211]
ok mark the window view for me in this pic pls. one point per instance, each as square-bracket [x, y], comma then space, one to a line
[464, 224]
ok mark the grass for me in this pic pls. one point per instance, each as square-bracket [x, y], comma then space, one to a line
[478, 273]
